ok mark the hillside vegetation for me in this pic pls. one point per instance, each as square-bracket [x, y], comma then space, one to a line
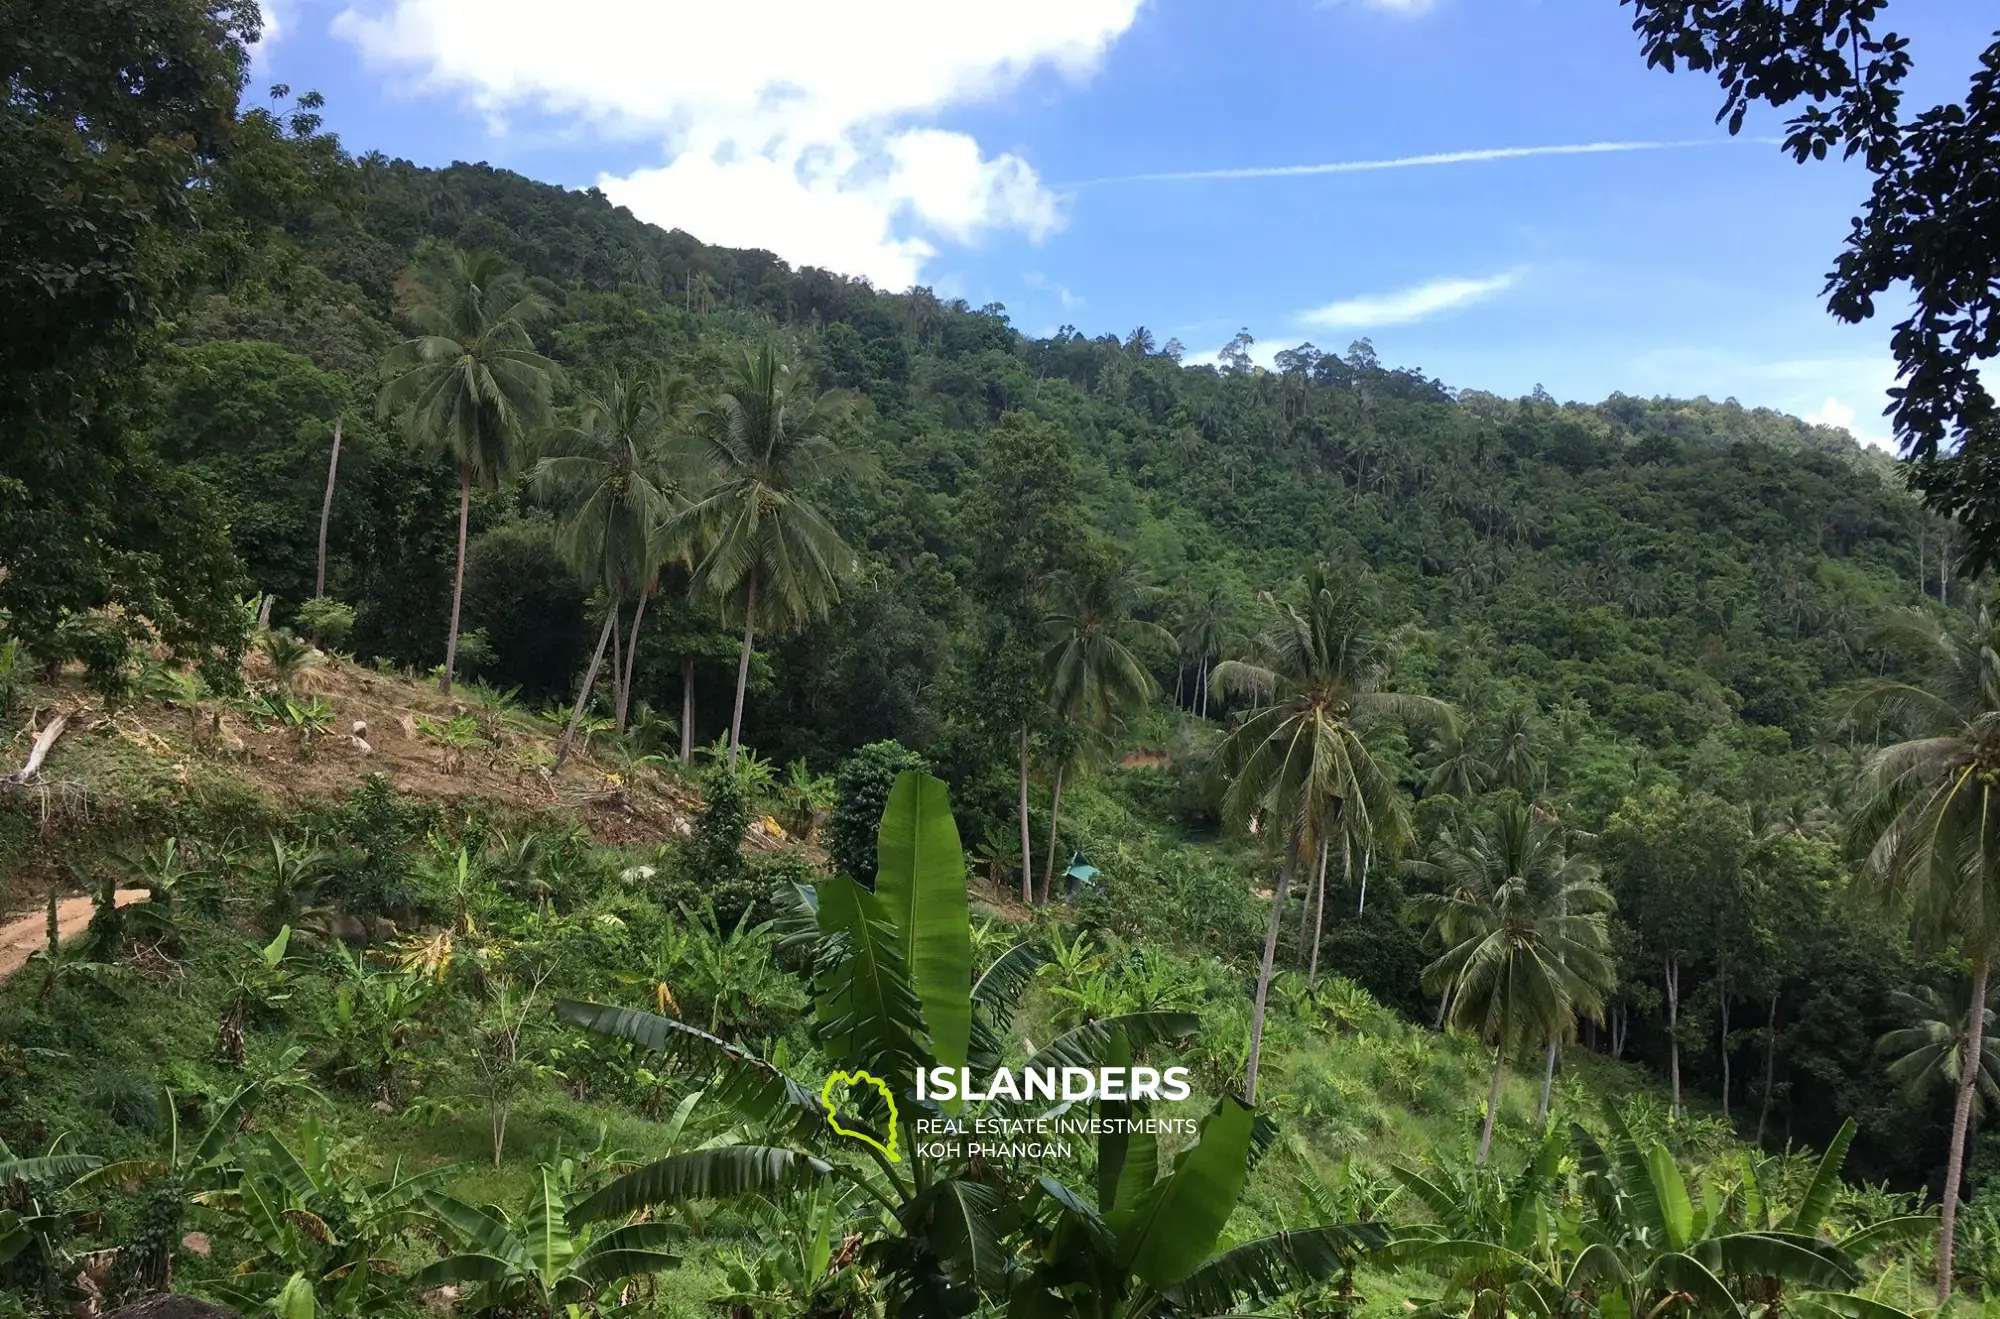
[461, 599]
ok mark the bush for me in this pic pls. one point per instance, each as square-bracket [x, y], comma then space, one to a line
[861, 790]
[327, 621]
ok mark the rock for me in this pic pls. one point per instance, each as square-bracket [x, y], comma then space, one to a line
[197, 1243]
[353, 929]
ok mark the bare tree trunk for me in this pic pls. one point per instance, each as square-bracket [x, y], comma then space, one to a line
[457, 583]
[326, 512]
[1492, 1103]
[743, 668]
[1319, 917]
[1548, 1082]
[632, 659]
[1204, 686]
[1961, 1119]
[45, 740]
[1027, 844]
[1770, 1064]
[1361, 907]
[1722, 1020]
[1621, 1022]
[1180, 684]
[687, 709]
[1673, 980]
[1264, 975]
[1055, 813]
[1313, 876]
[583, 697]
[617, 668]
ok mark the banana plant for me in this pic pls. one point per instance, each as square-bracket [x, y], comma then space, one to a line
[32, 1226]
[322, 1241]
[893, 992]
[536, 1262]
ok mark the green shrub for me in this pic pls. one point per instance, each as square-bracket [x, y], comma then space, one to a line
[861, 789]
[327, 621]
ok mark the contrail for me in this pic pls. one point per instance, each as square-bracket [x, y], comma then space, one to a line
[1401, 162]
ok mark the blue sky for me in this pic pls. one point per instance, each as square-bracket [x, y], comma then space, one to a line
[1112, 163]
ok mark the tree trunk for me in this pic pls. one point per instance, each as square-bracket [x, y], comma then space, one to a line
[583, 697]
[1722, 1021]
[632, 659]
[617, 669]
[1620, 1023]
[457, 583]
[1180, 684]
[1027, 845]
[1204, 687]
[1313, 876]
[1673, 981]
[1548, 1082]
[1770, 1064]
[1055, 812]
[1361, 907]
[326, 512]
[687, 710]
[1961, 1118]
[743, 668]
[1319, 917]
[1264, 974]
[1492, 1103]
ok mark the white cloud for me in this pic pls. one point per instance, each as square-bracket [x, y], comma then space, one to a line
[1475, 157]
[1841, 416]
[794, 125]
[1070, 301]
[1406, 305]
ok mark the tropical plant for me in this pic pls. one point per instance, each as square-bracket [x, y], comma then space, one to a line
[32, 1224]
[606, 475]
[260, 984]
[287, 656]
[1930, 819]
[1526, 948]
[453, 737]
[326, 620]
[893, 992]
[1299, 761]
[468, 387]
[1929, 1054]
[1092, 677]
[1203, 629]
[753, 453]
[539, 1261]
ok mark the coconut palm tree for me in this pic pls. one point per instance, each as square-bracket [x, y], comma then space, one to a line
[1930, 1052]
[606, 474]
[1526, 950]
[1299, 761]
[753, 452]
[469, 386]
[1202, 629]
[1092, 676]
[1930, 818]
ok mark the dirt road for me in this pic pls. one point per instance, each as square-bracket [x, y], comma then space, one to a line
[24, 934]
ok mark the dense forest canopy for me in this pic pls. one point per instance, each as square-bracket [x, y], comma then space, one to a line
[1604, 682]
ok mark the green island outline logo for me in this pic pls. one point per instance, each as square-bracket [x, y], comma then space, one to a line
[832, 1120]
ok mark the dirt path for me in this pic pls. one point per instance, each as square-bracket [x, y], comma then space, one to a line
[21, 936]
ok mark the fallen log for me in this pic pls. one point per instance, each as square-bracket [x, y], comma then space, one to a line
[38, 754]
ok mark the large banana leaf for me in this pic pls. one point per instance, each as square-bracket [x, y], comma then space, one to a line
[1166, 1234]
[1799, 1260]
[994, 997]
[744, 1083]
[1825, 1183]
[457, 1270]
[1861, 1243]
[1258, 1272]
[1088, 1045]
[1842, 1305]
[869, 1016]
[608, 1266]
[48, 1168]
[1444, 1208]
[960, 1221]
[484, 1230]
[711, 1174]
[1670, 1193]
[546, 1230]
[920, 884]
[1677, 1272]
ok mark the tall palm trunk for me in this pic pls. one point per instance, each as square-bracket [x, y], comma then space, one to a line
[457, 582]
[589, 681]
[1673, 984]
[1961, 1118]
[326, 512]
[1319, 915]
[1264, 973]
[1548, 1082]
[743, 667]
[1055, 813]
[1722, 1033]
[617, 664]
[687, 709]
[631, 660]
[1492, 1103]
[1027, 844]
[1204, 687]
[1770, 1064]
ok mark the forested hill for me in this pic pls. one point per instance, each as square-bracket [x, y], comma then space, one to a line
[1642, 608]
